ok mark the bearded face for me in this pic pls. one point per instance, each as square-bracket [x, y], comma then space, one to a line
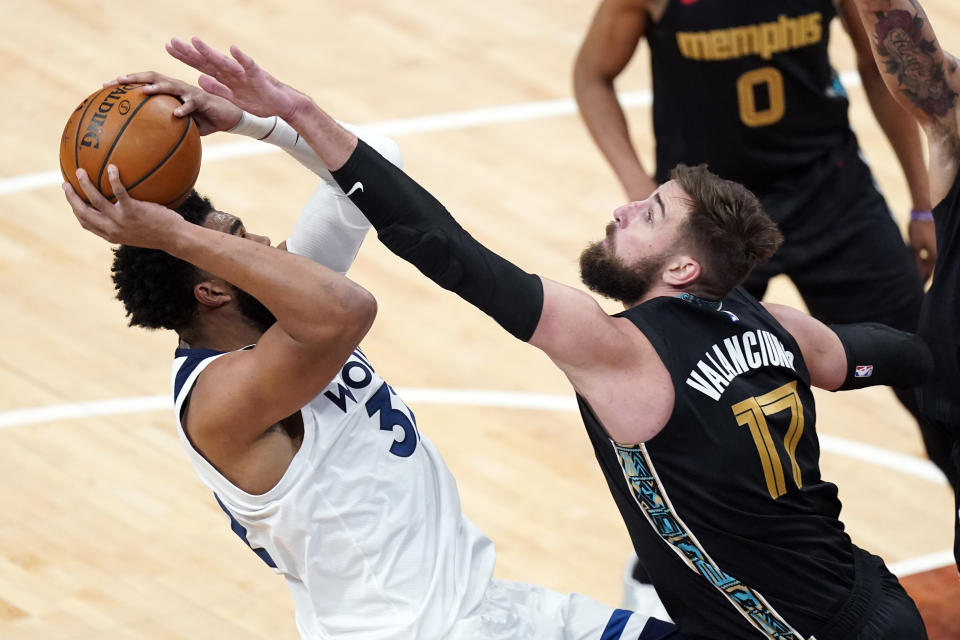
[608, 275]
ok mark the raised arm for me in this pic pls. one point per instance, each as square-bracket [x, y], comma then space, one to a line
[278, 132]
[412, 223]
[921, 76]
[904, 136]
[321, 317]
[852, 356]
[609, 45]
[330, 228]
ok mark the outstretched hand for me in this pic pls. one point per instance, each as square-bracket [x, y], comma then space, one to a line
[238, 79]
[127, 221]
[211, 113]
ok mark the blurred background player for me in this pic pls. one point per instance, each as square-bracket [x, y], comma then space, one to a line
[925, 80]
[315, 459]
[716, 473]
[747, 87]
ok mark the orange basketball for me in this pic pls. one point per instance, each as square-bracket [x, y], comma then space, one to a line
[157, 153]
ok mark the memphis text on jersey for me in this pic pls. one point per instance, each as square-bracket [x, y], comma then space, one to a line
[739, 354]
[764, 39]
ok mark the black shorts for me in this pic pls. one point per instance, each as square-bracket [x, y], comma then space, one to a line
[842, 248]
[878, 607]
[947, 437]
[896, 616]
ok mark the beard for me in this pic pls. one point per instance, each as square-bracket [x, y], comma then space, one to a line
[253, 311]
[606, 274]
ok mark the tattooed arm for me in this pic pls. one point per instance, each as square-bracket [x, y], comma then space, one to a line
[903, 134]
[923, 78]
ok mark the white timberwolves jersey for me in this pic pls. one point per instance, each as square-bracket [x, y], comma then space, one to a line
[365, 524]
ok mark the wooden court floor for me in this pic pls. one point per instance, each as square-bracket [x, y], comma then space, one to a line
[106, 533]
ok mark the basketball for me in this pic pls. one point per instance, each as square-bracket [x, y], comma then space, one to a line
[157, 153]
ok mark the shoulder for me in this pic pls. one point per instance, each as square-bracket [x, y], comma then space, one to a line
[652, 9]
[656, 8]
[187, 366]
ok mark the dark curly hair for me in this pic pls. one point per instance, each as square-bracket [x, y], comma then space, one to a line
[155, 288]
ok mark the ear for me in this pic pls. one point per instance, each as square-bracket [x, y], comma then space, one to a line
[212, 293]
[681, 271]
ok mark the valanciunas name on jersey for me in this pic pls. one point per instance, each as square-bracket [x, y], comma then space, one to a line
[736, 355]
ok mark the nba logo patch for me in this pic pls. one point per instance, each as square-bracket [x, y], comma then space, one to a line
[733, 316]
[863, 371]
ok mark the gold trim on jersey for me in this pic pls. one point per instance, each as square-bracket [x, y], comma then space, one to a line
[764, 39]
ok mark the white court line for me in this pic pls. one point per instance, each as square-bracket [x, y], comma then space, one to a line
[54, 413]
[402, 126]
[921, 564]
[898, 462]
[143, 404]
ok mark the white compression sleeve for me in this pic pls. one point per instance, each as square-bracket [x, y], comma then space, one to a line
[330, 229]
[277, 132]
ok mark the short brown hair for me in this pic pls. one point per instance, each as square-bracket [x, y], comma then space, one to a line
[727, 229]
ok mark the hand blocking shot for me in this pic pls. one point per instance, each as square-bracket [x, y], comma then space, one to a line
[696, 398]
[284, 417]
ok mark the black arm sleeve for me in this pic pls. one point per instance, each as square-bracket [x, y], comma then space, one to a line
[416, 227]
[880, 355]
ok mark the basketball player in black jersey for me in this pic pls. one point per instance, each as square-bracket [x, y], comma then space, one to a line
[696, 398]
[926, 81]
[748, 88]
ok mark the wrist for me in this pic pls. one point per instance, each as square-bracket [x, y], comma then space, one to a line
[254, 126]
[179, 238]
[301, 108]
[921, 215]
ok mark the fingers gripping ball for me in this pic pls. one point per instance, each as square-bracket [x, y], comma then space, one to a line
[157, 153]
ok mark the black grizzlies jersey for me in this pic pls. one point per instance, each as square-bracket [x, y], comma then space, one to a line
[746, 87]
[939, 398]
[725, 506]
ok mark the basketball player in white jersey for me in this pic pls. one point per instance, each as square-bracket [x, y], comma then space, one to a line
[315, 459]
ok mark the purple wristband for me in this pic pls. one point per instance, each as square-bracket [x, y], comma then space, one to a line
[921, 216]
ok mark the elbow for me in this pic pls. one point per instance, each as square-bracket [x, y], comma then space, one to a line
[831, 377]
[587, 83]
[587, 78]
[361, 312]
[579, 74]
[369, 311]
[336, 316]
[870, 76]
[342, 320]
